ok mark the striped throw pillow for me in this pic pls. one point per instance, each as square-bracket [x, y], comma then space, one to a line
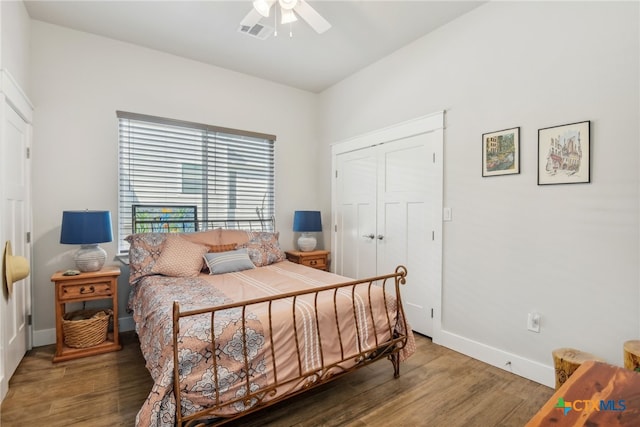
[227, 262]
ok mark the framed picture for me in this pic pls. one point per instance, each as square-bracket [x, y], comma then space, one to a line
[501, 152]
[564, 154]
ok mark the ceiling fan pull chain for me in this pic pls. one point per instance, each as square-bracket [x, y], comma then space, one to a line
[290, 30]
[275, 22]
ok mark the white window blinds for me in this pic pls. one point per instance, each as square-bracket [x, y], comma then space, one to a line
[222, 174]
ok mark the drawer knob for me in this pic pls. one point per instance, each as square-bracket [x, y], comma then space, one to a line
[84, 290]
[313, 262]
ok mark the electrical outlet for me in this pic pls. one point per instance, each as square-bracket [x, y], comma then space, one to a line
[533, 322]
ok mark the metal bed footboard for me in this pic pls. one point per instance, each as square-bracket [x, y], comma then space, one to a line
[256, 400]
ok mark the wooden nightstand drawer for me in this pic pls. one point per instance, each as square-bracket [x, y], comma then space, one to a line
[313, 259]
[318, 262]
[84, 290]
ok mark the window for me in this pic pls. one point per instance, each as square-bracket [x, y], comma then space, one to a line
[219, 175]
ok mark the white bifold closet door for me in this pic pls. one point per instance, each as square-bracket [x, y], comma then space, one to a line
[387, 207]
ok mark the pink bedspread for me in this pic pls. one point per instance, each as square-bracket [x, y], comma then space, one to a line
[152, 300]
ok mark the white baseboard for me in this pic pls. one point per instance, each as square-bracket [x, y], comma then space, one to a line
[534, 371]
[44, 337]
[48, 336]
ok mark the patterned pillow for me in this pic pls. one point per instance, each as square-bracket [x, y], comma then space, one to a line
[144, 251]
[180, 258]
[227, 262]
[263, 248]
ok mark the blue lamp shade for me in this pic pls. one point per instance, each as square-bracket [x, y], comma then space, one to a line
[307, 222]
[87, 228]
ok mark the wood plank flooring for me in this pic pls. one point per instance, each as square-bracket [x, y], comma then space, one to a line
[437, 387]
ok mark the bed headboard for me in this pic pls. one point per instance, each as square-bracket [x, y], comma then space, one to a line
[184, 219]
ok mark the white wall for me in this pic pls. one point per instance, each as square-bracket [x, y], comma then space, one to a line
[79, 81]
[569, 252]
[14, 43]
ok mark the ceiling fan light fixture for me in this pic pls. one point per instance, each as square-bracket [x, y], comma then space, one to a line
[263, 7]
[288, 16]
[287, 4]
[290, 11]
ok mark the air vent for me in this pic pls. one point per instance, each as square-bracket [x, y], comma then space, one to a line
[258, 31]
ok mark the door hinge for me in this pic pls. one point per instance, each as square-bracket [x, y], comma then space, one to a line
[434, 157]
[336, 173]
[432, 313]
[28, 153]
[335, 228]
[29, 319]
[433, 235]
[28, 237]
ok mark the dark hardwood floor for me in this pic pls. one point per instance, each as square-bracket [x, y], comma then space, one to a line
[437, 387]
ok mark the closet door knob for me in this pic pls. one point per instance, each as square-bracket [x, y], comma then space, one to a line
[380, 237]
[369, 236]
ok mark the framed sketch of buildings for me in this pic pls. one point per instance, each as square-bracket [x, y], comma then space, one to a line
[501, 152]
[564, 154]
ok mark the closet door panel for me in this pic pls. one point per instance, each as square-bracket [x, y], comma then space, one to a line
[391, 237]
[404, 221]
[356, 215]
[417, 295]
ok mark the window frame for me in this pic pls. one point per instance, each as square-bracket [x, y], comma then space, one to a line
[211, 135]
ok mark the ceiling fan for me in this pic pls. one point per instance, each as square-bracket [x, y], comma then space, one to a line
[288, 11]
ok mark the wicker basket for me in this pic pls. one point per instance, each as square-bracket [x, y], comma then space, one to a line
[85, 328]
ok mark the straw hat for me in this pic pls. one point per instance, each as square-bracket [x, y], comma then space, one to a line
[15, 268]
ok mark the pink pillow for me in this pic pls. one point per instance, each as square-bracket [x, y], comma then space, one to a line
[209, 237]
[180, 258]
[228, 236]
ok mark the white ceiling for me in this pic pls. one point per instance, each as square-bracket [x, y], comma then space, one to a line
[362, 32]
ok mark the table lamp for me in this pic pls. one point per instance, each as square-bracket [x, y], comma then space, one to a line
[307, 222]
[88, 229]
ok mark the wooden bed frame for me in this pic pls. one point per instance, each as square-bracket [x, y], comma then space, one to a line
[254, 401]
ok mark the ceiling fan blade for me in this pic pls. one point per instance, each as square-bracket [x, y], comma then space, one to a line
[252, 18]
[312, 17]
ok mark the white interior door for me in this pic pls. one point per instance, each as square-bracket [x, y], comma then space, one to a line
[356, 214]
[405, 222]
[15, 216]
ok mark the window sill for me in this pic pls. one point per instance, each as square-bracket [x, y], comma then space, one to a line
[123, 258]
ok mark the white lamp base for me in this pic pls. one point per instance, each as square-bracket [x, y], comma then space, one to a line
[90, 257]
[306, 242]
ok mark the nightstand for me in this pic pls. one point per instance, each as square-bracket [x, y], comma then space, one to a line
[90, 286]
[314, 259]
